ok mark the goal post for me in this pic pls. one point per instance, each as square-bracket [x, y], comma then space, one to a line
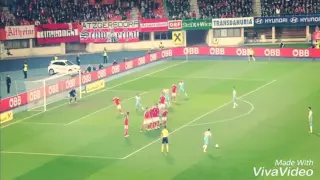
[51, 90]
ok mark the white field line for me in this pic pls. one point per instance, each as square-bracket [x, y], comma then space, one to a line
[228, 119]
[208, 77]
[40, 123]
[102, 109]
[59, 155]
[196, 119]
[112, 87]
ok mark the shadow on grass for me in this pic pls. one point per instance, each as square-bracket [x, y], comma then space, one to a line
[153, 133]
[317, 134]
[169, 159]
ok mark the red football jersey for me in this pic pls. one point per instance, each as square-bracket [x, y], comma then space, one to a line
[116, 101]
[162, 99]
[165, 113]
[157, 111]
[174, 88]
[147, 114]
[126, 120]
[154, 111]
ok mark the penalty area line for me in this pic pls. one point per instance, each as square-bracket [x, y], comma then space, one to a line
[112, 87]
[198, 118]
[59, 155]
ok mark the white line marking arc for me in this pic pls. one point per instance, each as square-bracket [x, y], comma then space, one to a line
[228, 119]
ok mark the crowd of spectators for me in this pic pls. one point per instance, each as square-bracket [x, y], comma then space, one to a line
[6, 19]
[178, 9]
[225, 8]
[61, 11]
[53, 11]
[148, 9]
[289, 7]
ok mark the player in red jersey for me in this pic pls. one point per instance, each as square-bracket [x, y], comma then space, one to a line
[116, 100]
[164, 117]
[151, 112]
[126, 125]
[155, 117]
[174, 92]
[146, 120]
[162, 102]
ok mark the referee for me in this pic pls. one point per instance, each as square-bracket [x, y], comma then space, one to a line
[165, 140]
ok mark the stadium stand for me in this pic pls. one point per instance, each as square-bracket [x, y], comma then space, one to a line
[289, 7]
[150, 9]
[52, 11]
[178, 9]
[225, 8]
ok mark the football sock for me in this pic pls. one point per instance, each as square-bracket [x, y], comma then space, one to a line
[167, 147]
[162, 147]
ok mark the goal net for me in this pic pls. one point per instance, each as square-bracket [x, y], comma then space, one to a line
[49, 91]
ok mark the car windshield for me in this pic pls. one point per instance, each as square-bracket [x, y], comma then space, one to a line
[69, 63]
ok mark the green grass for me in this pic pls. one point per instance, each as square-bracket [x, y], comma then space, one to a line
[270, 124]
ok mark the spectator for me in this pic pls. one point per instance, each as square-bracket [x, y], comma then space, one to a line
[114, 62]
[289, 7]
[89, 68]
[161, 46]
[101, 66]
[9, 53]
[94, 68]
[78, 59]
[105, 56]
[8, 81]
[225, 8]
[178, 9]
[25, 70]
[281, 45]
[125, 59]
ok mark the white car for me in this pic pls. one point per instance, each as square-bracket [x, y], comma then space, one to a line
[62, 67]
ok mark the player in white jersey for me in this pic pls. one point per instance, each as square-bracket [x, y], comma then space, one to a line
[310, 117]
[234, 97]
[181, 88]
[138, 102]
[207, 135]
[167, 96]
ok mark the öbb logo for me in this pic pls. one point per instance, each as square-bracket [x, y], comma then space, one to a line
[86, 78]
[272, 52]
[191, 51]
[301, 53]
[34, 95]
[141, 61]
[53, 89]
[15, 101]
[217, 51]
[115, 69]
[102, 74]
[129, 65]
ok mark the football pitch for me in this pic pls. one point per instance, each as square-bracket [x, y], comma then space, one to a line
[86, 140]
